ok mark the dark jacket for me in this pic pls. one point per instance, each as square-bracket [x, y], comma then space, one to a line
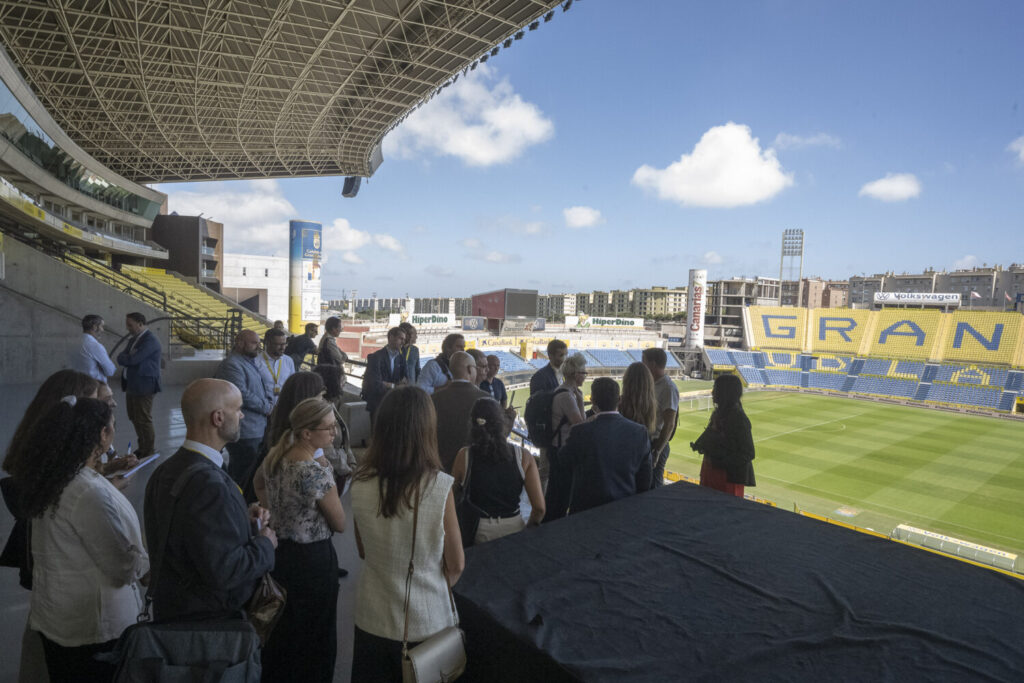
[453, 404]
[378, 371]
[731, 449]
[141, 364]
[212, 562]
[611, 459]
[544, 379]
[298, 347]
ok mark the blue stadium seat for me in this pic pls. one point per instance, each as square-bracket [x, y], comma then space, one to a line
[752, 375]
[826, 380]
[786, 378]
[538, 363]
[719, 356]
[510, 362]
[876, 366]
[614, 358]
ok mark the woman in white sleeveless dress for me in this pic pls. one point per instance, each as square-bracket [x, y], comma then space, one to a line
[400, 479]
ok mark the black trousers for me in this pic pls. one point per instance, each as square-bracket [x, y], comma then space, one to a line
[75, 664]
[376, 659]
[559, 493]
[243, 458]
[304, 644]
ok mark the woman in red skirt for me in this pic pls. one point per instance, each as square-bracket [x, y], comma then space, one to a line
[726, 444]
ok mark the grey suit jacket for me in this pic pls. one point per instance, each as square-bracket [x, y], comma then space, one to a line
[453, 404]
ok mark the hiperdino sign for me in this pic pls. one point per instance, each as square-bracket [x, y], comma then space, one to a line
[594, 321]
[423, 319]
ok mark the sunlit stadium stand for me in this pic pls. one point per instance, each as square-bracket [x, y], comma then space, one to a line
[777, 327]
[719, 357]
[636, 355]
[905, 333]
[828, 363]
[838, 331]
[986, 337]
[198, 301]
[957, 394]
[884, 386]
[961, 374]
[779, 359]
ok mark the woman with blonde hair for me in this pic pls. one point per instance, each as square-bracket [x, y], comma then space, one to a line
[567, 411]
[638, 402]
[306, 511]
[403, 507]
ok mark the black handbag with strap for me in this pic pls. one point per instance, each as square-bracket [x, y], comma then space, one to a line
[467, 513]
[210, 650]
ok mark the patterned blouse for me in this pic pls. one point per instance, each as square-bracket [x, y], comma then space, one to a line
[293, 492]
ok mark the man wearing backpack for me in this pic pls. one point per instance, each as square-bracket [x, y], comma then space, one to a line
[668, 408]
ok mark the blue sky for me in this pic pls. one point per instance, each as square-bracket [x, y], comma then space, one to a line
[623, 143]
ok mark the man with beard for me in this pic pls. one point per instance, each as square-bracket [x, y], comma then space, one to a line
[211, 551]
[240, 369]
[275, 367]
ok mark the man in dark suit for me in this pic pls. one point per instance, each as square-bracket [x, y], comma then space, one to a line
[207, 550]
[385, 369]
[610, 455]
[453, 403]
[141, 380]
[549, 377]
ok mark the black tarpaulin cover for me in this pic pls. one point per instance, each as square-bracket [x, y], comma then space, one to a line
[685, 583]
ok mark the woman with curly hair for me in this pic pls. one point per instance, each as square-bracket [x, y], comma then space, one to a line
[86, 542]
[638, 402]
[400, 487]
[495, 473]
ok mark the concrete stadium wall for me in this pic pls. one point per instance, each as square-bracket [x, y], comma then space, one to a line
[42, 302]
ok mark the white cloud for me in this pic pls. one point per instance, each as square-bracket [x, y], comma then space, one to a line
[1017, 147]
[894, 187]
[582, 217]
[480, 120]
[341, 236]
[726, 168]
[501, 257]
[968, 261]
[255, 213]
[791, 141]
[351, 257]
[712, 258]
[388, 242]
[471, 243]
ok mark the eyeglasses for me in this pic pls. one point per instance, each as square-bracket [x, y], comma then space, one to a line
[332, 428]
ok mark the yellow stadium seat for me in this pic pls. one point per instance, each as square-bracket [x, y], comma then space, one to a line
[905, 333]
[836, 330]
[983, 336]
[778, 327]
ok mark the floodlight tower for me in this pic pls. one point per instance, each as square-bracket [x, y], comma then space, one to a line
[793, 250]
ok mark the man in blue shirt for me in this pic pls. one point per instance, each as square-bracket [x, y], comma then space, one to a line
[91, 358]
[240, 369]
[436, 373]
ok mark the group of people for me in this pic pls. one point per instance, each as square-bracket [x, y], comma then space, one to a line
[215, 528]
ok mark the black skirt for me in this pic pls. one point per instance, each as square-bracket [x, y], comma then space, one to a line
[304, 643]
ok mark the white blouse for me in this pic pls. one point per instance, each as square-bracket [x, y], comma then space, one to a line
[387, 544]
[88, 556]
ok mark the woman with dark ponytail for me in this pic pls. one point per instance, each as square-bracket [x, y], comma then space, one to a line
[497, 474]
[727, 444]
[86, 543]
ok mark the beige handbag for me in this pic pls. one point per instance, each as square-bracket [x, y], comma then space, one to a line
[442, 656]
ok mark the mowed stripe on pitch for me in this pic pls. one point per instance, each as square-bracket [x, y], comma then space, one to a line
[964, 473]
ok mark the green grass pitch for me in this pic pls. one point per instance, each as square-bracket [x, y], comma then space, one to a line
[876, 465]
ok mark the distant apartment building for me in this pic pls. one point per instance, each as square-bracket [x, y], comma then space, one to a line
[863, 287]
[818, 293]
[551, 305]
[993, 285]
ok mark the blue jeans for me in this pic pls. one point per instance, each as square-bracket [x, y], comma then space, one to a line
[658, 469]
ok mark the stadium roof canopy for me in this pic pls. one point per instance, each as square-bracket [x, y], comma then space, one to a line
[221, 89]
